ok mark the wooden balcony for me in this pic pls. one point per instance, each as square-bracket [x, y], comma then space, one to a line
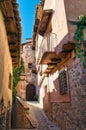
[68, 47]
[46, 16]
[38, 15]
[42, 18]
[47, 51]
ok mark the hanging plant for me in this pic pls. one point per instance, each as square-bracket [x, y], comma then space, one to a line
[16, 73]
[78, 37]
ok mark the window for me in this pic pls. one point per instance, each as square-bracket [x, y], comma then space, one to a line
[10, 81]
[63, 82]
[30, 65]
[33, 47]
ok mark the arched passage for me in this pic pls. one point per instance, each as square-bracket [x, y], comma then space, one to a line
[30, 92]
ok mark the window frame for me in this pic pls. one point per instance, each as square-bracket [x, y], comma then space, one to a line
[63, 82]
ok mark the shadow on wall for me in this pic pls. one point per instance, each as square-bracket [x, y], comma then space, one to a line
[5, 115]
[68, 114]
[21, 114]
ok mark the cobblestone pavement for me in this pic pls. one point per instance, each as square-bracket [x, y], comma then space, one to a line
[39, 116]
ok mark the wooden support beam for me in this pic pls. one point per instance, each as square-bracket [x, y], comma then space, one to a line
[13, 50]
[37, 21]
[56, 60]
[15, 5]
[2, 0]
[13, 1]
[12, 34]
[13, 56]
[70, 22]
[49, 68]
[52, 64]
[8, 19]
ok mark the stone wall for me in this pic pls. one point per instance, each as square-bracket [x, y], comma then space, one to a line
[28, 57]
[71, 116]
[74, 9]
[19, 120]
[30, 75]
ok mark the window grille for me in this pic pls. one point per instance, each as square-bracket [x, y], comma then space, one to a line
[63, 82]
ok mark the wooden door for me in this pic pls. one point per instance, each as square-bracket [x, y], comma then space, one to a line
[30, 92]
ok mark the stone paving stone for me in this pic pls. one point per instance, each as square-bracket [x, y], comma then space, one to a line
[41, 118]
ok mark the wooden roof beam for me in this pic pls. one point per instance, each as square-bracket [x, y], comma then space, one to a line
[12, 34]
[2, 0]
[13, 50]
[8, 19]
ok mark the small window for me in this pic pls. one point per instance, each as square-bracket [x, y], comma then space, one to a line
[30, 65]
[10, 81]
[63, 82]
[33, 47]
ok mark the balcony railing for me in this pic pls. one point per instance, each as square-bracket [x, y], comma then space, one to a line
[47, 45]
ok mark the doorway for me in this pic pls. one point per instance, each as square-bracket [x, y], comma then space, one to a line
[30, 92]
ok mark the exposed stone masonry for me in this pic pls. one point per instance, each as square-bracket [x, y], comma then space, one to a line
[20, 120]
[28, 56]
[72, 116]
[30, 74]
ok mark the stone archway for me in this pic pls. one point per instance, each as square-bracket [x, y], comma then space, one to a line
[30, 92]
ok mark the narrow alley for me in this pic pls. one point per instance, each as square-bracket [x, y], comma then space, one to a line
[43, 64]
[36, 116]
[43, 123]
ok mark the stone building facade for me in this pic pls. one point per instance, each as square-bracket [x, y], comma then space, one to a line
[61, 76]
[27, 86]
[10, 37]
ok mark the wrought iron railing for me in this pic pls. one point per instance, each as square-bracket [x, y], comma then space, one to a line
[48, 44]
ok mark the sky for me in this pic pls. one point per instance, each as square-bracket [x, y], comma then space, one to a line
[27, 11]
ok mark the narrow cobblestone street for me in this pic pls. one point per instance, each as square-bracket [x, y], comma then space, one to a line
[39, 118]
[42, 121]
